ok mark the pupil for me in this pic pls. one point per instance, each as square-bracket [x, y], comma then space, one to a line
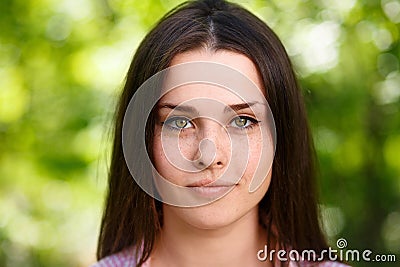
[181, 123]
[240, 121]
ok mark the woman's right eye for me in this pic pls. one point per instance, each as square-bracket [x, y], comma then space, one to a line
[178, 123]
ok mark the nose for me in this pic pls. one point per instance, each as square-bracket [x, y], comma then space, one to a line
[213, 150]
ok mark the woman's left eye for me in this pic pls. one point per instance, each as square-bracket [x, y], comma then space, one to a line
[243, 122]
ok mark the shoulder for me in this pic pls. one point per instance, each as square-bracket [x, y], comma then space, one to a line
[124, 258]
[321, 264]
[332, 264]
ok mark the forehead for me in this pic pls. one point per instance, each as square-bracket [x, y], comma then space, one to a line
[234, 93]
[196, 93]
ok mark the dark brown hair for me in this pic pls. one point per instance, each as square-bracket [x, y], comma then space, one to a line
[289, 209]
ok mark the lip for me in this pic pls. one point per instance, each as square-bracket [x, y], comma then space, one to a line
[211, 191]
[211, 183]
[211, 188]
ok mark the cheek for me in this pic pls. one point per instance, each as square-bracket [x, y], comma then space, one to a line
[158, 154]
[254, 154]
[171, 155]
[261, 154]
[255, 146]
[161, 162]
[188, 147]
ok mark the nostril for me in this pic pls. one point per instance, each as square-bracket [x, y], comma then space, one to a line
[219, 163]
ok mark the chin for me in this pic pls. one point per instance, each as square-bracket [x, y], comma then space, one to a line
[212, 216]
[233, 208]
[206, 218]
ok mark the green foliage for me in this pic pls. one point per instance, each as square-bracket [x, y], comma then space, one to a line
[62, 64]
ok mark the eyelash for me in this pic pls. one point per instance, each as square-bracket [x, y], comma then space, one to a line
[253, 122]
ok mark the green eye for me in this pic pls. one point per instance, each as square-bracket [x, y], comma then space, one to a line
[243, 122]
[178, 123]
[240, 122]
[181, 123]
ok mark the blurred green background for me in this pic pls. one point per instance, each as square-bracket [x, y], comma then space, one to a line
[62, 64]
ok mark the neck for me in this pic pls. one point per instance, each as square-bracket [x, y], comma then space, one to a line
[235, 244]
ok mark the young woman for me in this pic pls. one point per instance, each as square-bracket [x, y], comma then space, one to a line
[230, 169]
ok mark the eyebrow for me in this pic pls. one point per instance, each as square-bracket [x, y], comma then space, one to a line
[193, 110]
[187, 109]
[237, 107]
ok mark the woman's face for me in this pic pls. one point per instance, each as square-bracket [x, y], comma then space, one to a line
[220, 137]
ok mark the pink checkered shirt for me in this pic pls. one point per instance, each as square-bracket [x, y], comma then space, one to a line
[126, 258]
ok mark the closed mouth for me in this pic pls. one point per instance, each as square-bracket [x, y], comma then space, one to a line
[211, 191]
[211, 183]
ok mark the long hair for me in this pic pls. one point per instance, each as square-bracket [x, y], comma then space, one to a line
[288, 210]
